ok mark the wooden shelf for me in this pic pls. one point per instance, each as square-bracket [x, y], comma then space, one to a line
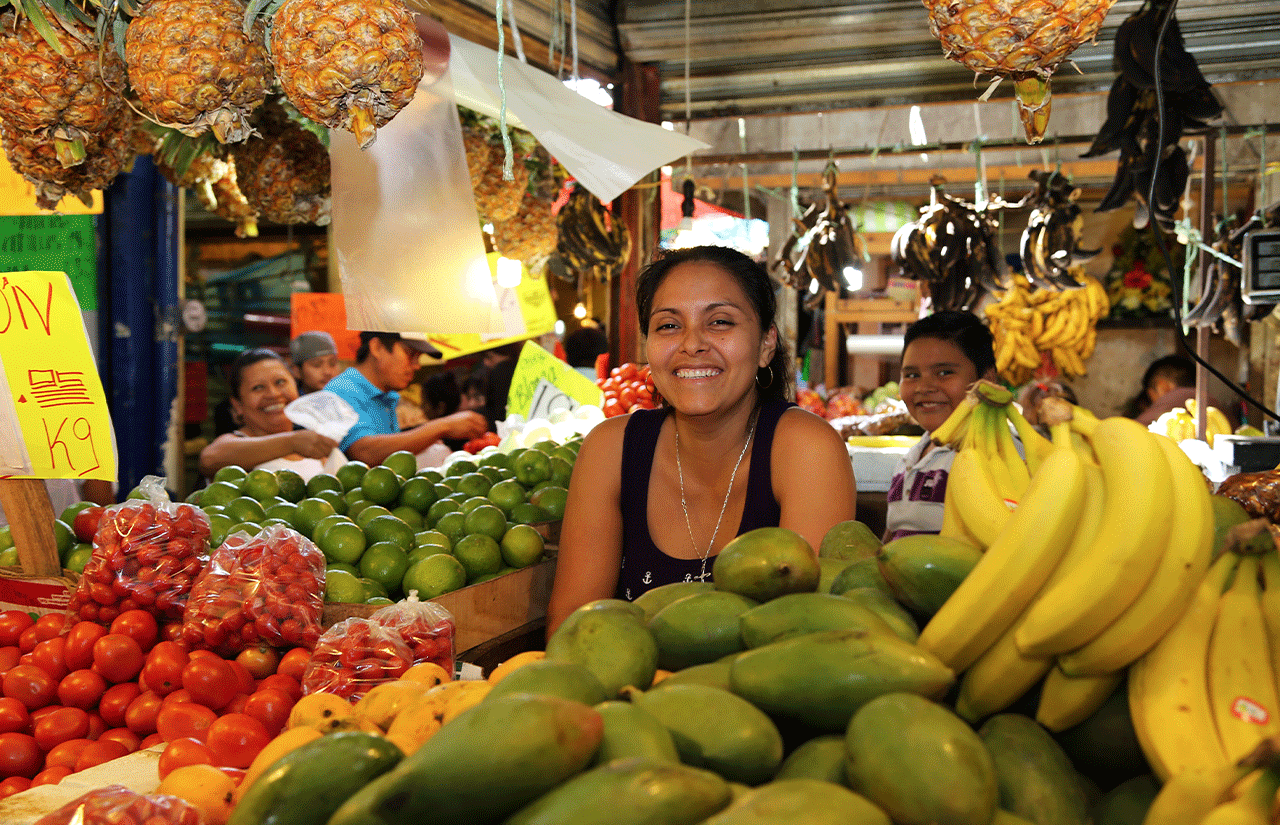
[840, 311]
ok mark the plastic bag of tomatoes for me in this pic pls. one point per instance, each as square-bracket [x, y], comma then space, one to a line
[117, 805]
[146, 554]
[261, 589]
[426, 627]
[353, 657]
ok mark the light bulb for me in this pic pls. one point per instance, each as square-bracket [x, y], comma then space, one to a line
[580, 311]
[509, 273]
[853, 277]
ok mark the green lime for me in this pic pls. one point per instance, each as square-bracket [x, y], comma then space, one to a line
[323, 481]
[220, 492]
[343, 541]
[522, 546]
[494, 474]
[308, 514]
[446, 488]
[561, 472]
[77, 558]
[69, 515]
[552, 500]
[486, 520]
[532, 466]
[261, 484]
[502, 571]
[368, 514]
[432, 538]
[439, 509]
[220, 526]
[232, 473]
[341, 586]
[195, 496]
[474, 484]
[210, 509]
[253, 528]
[418, 493]
[9, 558]
[355, 508]
[281, 511]
[388, 528]
[507, 494]
[335, 498]
[322, 526]
[138, 493]
[496, 459]
[378, 601]
[480, 555]
[458, 497]
[353, 495]
[419, 553]
[373, 590]
[381, 484]
[344, 567]
[409, 516]
[546, 446]
[245, 509]
[403, 462]
[63, 537]
[431, 474]
[6, 537]
[433, 576]
[461, 467]
[566, 453]
[541, 485]
[453, 525]
[529, 513]
[351, 474]
[292, 486]
[273, 522]
[385, 562]
[268, 503]
[475, 501]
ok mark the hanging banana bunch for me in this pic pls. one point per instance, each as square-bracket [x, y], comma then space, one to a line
[1027, 321]
[825, 244]
[592, 243]
[1051, 242]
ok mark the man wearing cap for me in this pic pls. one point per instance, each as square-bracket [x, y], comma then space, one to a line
[315, 360]
[386, 363]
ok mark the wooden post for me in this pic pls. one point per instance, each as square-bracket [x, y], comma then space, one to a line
[26, 505]
[1202, 332]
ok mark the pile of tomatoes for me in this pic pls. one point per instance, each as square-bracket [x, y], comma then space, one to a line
[354, 656]
[77, 694]
[628, 388]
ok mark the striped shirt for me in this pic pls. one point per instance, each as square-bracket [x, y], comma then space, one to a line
[918, 490]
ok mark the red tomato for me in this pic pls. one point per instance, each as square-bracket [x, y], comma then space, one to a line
[117, 657]
[235, 739]
[140, 716]
[60, 726]
[12, 624]
[237, 703]
[287, 685]
[66, 754]
[163, 668]
[79, 645]
[182, 752]
[151, 741]
[124, 736]
[204, 654]
[14, 717]
[244, 679]
[260, 661]
[185, 720]
[81, 689]
[48, 656]
[20, 755]
[51, 776]
[85, 524]
[172, 631]
[138, 625]
[177, 696]
[271, 708]
[52, 624]
[97, 727]
[115, 701]
[30, 685]
[9, 657]
[13, 785]
[211, 681]
[294, 663]
[95, 753]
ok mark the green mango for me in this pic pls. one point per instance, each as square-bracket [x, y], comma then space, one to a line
[923, 571]
[613, 604]
[483, 766]
[822, 757]
[860, 573]
[568, 680]
[630, 731]
[651, 601]
[612, 642]
[849, 540]
[716, 730]
[828, 569]
[1034, 775]
[698, 629]
[920, 762]
[1105, 747]
[1227, 513]
[715, 674]
[1128, 802]
[811, 801]
[798, 613]
[630, 792]
[887, 607]
[767, 562]
[822, 678]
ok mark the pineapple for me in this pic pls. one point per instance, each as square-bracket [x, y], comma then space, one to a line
[285, 172]
[1020, 39]
[476, 144]
[225, 199]
[498, 200]
[347, 64]
[193, 67]
[530, 234]
[107, 153]
[60, 98]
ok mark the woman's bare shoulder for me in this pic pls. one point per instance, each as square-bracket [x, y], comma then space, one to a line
[800, 425]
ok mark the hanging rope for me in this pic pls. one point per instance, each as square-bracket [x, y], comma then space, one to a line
[742, 146]
[795, 182]
[516, 39]
[573, 37]
[508, 162]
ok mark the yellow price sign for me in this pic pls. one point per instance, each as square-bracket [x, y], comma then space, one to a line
[542, 384]
[527, 305]
[54, 421]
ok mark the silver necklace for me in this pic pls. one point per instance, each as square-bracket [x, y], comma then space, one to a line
[684, 505]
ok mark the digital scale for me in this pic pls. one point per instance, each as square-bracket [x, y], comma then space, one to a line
[1248, 454]
[1260, 279]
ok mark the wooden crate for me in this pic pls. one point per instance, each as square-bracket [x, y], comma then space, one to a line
[40, 585]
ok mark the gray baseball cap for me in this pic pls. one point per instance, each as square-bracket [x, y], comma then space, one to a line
[310, 345]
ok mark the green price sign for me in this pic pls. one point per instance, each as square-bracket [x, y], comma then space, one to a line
[53, 243]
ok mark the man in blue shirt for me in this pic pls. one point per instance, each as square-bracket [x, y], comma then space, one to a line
[386, 363]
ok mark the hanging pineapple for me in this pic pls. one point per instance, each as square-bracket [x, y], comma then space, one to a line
[347, 64]
[107, 153]
[1024, 40]
[284, 173]
[57, 93]
[193, 67]
[497, 200]
[530, 235]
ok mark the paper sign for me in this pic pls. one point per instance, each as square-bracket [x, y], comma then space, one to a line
[18, 197]
[53, 243]
[542, 384]
[323, 312]
[54, 393]
[533, 299]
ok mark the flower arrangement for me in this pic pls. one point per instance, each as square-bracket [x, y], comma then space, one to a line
[1138, 282]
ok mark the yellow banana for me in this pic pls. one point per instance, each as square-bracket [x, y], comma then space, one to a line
[1014, 566]
[1189, 796]
[1066, 701]
[1037, 447]
[952, 525]
[978, 503]
[1135, 525]
[997, 467]
[1169, 691]
[1007, 450]
[952, 431]
[1271, 609]
[1253, 807]
[1242, 690]
[1165, 598]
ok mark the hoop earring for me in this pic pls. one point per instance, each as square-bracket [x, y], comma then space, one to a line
[764, 386]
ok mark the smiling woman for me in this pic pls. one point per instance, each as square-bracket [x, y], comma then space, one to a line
[261, 386]
[656, 494]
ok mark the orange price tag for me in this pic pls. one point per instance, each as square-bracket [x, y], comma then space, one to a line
[325, 312]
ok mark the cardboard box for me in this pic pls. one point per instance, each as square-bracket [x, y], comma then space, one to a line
[35, 594]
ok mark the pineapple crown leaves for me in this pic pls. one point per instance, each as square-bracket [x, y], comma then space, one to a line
[264, 10]
[176, 150]
[45, 14]
[291, 111]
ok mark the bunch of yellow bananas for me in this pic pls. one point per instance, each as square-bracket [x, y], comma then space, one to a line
[1027, 322]
[1087, 562]
[1180, 423]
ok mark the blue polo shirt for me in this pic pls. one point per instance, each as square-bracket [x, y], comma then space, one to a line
[377, 409]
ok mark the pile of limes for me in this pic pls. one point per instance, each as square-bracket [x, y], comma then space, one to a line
[391, 528]
[72, 554]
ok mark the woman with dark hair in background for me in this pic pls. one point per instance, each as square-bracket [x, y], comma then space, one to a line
[656, 494]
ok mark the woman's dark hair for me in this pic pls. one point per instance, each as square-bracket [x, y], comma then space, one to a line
[441, 391]
[773, 381]
[963, 329]
[247, 359]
